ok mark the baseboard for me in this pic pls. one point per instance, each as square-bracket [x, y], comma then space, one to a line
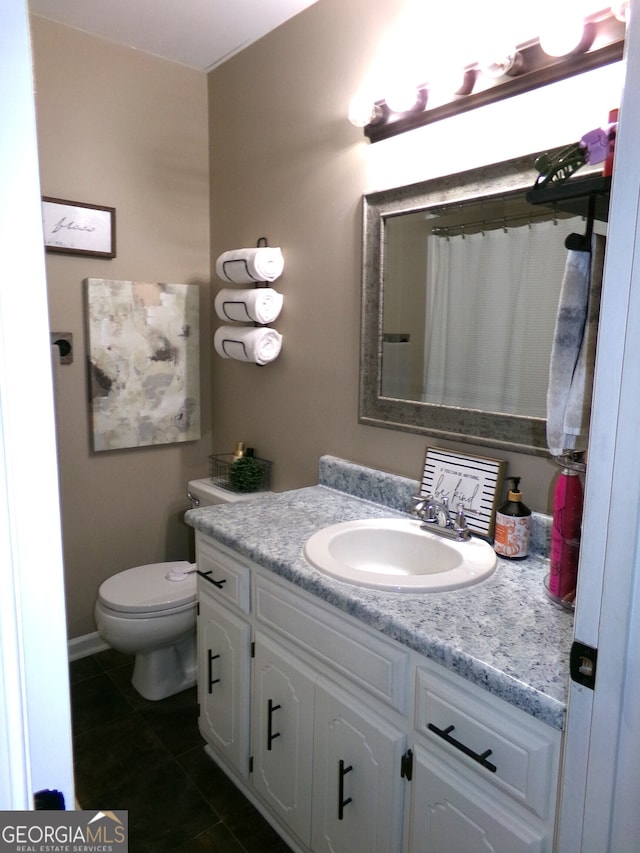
[89, 644]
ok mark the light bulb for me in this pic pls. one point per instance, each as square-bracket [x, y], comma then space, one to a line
[362, 111]
[566, 33]
[400, 99]
[620, 10]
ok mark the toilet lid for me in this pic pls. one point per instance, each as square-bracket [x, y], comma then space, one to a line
[147, 589]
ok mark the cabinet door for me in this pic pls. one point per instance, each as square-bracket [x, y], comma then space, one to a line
[282, 737]
[451, 810]
[357, 788]
[224, 667]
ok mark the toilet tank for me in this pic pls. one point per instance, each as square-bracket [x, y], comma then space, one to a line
[208, 494]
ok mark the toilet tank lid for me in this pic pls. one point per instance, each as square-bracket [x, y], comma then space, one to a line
[146, 588]
[210, 494]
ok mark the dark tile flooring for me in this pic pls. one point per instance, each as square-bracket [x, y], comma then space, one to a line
[148, 758]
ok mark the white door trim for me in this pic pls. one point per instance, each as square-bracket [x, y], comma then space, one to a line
[601, 732]
[35, 722]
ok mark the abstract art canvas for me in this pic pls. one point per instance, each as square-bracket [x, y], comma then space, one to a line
[143, 362]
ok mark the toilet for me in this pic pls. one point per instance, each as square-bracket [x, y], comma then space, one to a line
[150, 611]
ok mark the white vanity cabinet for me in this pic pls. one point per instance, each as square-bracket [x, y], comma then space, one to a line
[322, 761]
[347, 741]
[357, 789]
[450, 811]
[282, 734]
[485, 774]
[224, 661]
[224, 655]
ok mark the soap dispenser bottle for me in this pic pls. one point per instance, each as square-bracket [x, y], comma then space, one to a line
[513, 525]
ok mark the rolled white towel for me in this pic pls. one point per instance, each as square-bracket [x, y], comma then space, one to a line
[244, 343]
[244, 266]
[257, 305]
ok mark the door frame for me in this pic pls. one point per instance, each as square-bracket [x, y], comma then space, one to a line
[35, 719]
[598, 811]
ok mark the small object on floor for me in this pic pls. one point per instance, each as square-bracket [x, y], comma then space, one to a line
[48, 801]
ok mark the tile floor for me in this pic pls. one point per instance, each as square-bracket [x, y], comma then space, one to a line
[148, 758]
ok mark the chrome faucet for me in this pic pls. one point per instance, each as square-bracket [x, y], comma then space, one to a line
[435, 515]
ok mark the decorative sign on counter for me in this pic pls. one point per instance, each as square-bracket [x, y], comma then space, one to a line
[473, 482]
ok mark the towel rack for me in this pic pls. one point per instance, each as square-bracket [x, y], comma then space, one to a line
[261, 243]
[587, 196]
[582, 242]
[224, 336]
[575, 195]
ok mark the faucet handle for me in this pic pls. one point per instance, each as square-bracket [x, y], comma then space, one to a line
[461, 526]
[418, 506]
[441, 513]
[424, 507]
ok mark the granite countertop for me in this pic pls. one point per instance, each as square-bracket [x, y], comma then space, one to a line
[502, 634]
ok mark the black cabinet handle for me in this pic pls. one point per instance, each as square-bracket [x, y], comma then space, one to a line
[481, 758]
[212, 680]
[271, 736]
[206, 576]
[342, 772]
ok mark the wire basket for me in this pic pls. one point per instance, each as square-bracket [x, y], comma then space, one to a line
[247, 474]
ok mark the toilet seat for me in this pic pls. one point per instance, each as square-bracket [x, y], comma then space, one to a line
[146, 589]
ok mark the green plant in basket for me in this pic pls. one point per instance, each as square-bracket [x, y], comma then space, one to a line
[245, 474]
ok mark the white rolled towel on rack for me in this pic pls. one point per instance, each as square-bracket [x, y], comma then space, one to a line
[244, 343]
[244, 266]
[257, 305]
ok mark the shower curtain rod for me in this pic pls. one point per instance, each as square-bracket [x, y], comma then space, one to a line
[495, 223]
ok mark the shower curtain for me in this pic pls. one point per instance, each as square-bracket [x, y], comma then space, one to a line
[492, 299]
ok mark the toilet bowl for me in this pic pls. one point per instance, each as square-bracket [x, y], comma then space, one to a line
[143, 612]
[150, 611]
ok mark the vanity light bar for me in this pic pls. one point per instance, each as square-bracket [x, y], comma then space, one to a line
[603, 44]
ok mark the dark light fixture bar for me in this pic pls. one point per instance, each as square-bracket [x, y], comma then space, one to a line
[539, 69]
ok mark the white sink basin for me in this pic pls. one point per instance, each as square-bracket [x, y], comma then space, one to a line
[397, 554]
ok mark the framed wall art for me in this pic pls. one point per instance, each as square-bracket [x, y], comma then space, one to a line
[473, 482]
[144, 362]
[75, 228]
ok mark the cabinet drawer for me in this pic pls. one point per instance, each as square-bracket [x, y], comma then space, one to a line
[223, 575]
[507, 747]
[364, 658]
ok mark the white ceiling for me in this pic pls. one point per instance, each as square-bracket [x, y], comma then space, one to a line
[198, 33]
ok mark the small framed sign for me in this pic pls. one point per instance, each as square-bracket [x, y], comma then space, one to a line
[75, 228]
[471, 482]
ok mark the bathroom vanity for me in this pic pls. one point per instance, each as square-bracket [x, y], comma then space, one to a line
[373, 721]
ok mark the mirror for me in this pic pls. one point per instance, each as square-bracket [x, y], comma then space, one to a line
[461, 279]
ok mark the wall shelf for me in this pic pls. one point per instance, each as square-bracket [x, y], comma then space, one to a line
[572, 195]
